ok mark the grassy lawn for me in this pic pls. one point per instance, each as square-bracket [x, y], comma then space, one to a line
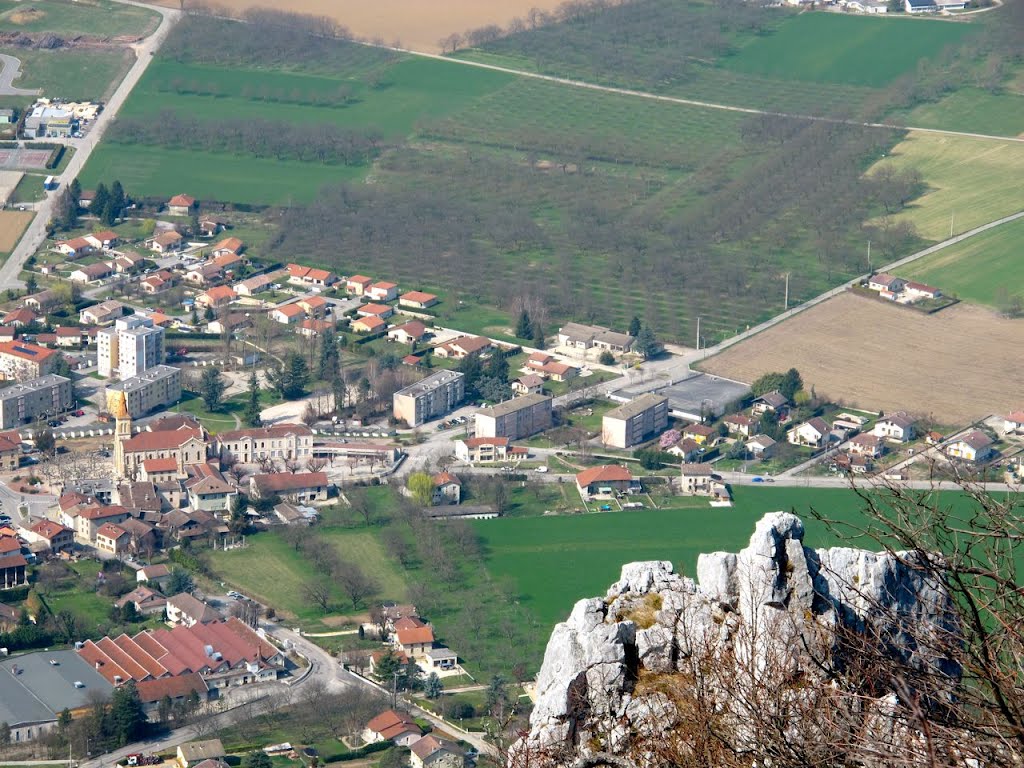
[845, 49]
[976, 269]
[214, 422]
[71, 74]
[282, 571]
[970, 109]
[975, 180]
[87, 17]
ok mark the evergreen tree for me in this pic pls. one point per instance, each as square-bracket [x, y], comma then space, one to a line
[257, 759]
[646, 343]
[634, 327]
[100, 200]
[524, 329]
[538, 336]
[118, 198]
[252, 404]
[209, 315]
[75, 188]
[298, 376]
[432, 686]
[109, 216]
[327, 365]
[195, 318]
[65, 211]
[164, 709]
[497, 367]
[238, 521]
[340, 391]
[211, 388]
[128, 720]
[31, 285]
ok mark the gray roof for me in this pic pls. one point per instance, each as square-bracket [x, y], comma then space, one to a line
[513, 405]
[34, 689]
[202, 750]
[636, 406]
[433, 381]
[24, 388]
[144, 379]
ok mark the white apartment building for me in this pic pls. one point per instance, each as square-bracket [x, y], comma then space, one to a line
[131, 346]
[430, 398]
[155, 388]
[280, 441]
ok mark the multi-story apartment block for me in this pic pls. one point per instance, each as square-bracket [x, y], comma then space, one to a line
[154, 388]
[21, 361]
[516, 418]
[281, 441]
[635, 422]
[131, 346]
[23, 403]
[430, 398]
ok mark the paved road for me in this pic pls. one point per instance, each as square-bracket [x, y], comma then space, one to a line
[9, 73]
[36, 232]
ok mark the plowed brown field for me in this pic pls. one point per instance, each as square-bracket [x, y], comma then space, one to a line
[955, 366]
[417, 24]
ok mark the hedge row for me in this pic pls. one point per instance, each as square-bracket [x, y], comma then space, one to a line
[55, 157]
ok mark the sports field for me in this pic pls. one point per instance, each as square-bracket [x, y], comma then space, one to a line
[12, 224]
[986, 269]
[952, 367]
[24, 158]
[972, 181]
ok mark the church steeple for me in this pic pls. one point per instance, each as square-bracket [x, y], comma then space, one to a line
[117, 406]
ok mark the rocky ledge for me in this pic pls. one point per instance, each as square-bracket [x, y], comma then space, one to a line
[777, 616]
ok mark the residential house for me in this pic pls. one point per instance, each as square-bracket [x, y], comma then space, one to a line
[368, 325]
[56, 537]
[917, 291]
[769, 402]
[226, 261]
[920, 6]
[91, 273]
[204, 274]
[314, 306]
[102, 314]
[188, 611]
[462, 347]
[68, 337]
[228, 322]
[13, 565]
[254, 285]
[19, 318]
[439, 658]
[208, 490]
[75, 248]
[229, 245]
[166, 242]
[194, 753]
[447, 489]
[288, 314]
[313, 327]
[699, 433]
[486, 450]
[147, 601]
[382, 291]
[433, 752]
[280, 442]
[209, 227]
[582, 336]
[740, 424]
[856, 464]
[181, 205]
[530, 384]
[397, 727]
[91, 519]
[112, 538]
[538, 360]
[604, 480]
[934, 438]
[310, 277]
[126, 263]
[813, 433]
[761, 446]
[1014, 423]
[104, 240]
[897, 427]
[412, 332]
[557, 371]
[697, 479]
[382, 311]
[357, 284]
[883, 282]
[291, 514]
[43, 302]
[973, 446]
[417, 300]
[687, 449]
[867, 444]
[300, 487]
[412, 636]
[154, 575]
[217, 297]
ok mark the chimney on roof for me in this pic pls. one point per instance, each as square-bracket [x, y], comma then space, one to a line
[117, 679]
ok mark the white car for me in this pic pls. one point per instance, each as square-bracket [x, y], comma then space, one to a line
[541, 469]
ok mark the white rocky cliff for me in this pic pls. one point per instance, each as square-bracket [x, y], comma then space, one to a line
[762, 633]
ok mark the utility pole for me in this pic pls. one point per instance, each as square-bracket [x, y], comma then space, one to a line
[869, 257]
[786, 306]
[394, 689]
[951, 213]
[698, 332]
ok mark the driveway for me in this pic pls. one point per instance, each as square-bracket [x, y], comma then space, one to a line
[10, 72]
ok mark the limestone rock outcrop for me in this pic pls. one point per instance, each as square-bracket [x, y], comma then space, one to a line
[781, 612]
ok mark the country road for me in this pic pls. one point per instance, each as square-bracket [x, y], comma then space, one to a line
[8, 74]
[35, 234]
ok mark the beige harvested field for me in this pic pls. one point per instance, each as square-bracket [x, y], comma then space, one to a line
[8, 182]
[954, 366]
[417, 24]
[12, 224]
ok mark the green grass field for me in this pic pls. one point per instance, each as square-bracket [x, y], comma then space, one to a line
[972, 110]
[72, 74]
[81, 17]
[845, 49]
[976, 269]
[974, 180]
[282, 571]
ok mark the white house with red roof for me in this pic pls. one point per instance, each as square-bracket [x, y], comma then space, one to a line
[1014, 423]
[417, 300]
[604, 480]
[289, 314]
[973, 446]
[397, 727]
[310, 277]
[357, 284]
[412, 636]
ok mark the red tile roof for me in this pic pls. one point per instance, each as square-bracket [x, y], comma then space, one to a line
[185, 200]
[390, 724]
[25, 351]
[160, 465]
[411, 631]
[163, 440]
[609, 473]
[418, 297]
[49, 529]
[286, 481]
[151, 691]
[376, 309]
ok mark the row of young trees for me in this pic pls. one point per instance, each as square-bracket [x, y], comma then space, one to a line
[277, 139]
